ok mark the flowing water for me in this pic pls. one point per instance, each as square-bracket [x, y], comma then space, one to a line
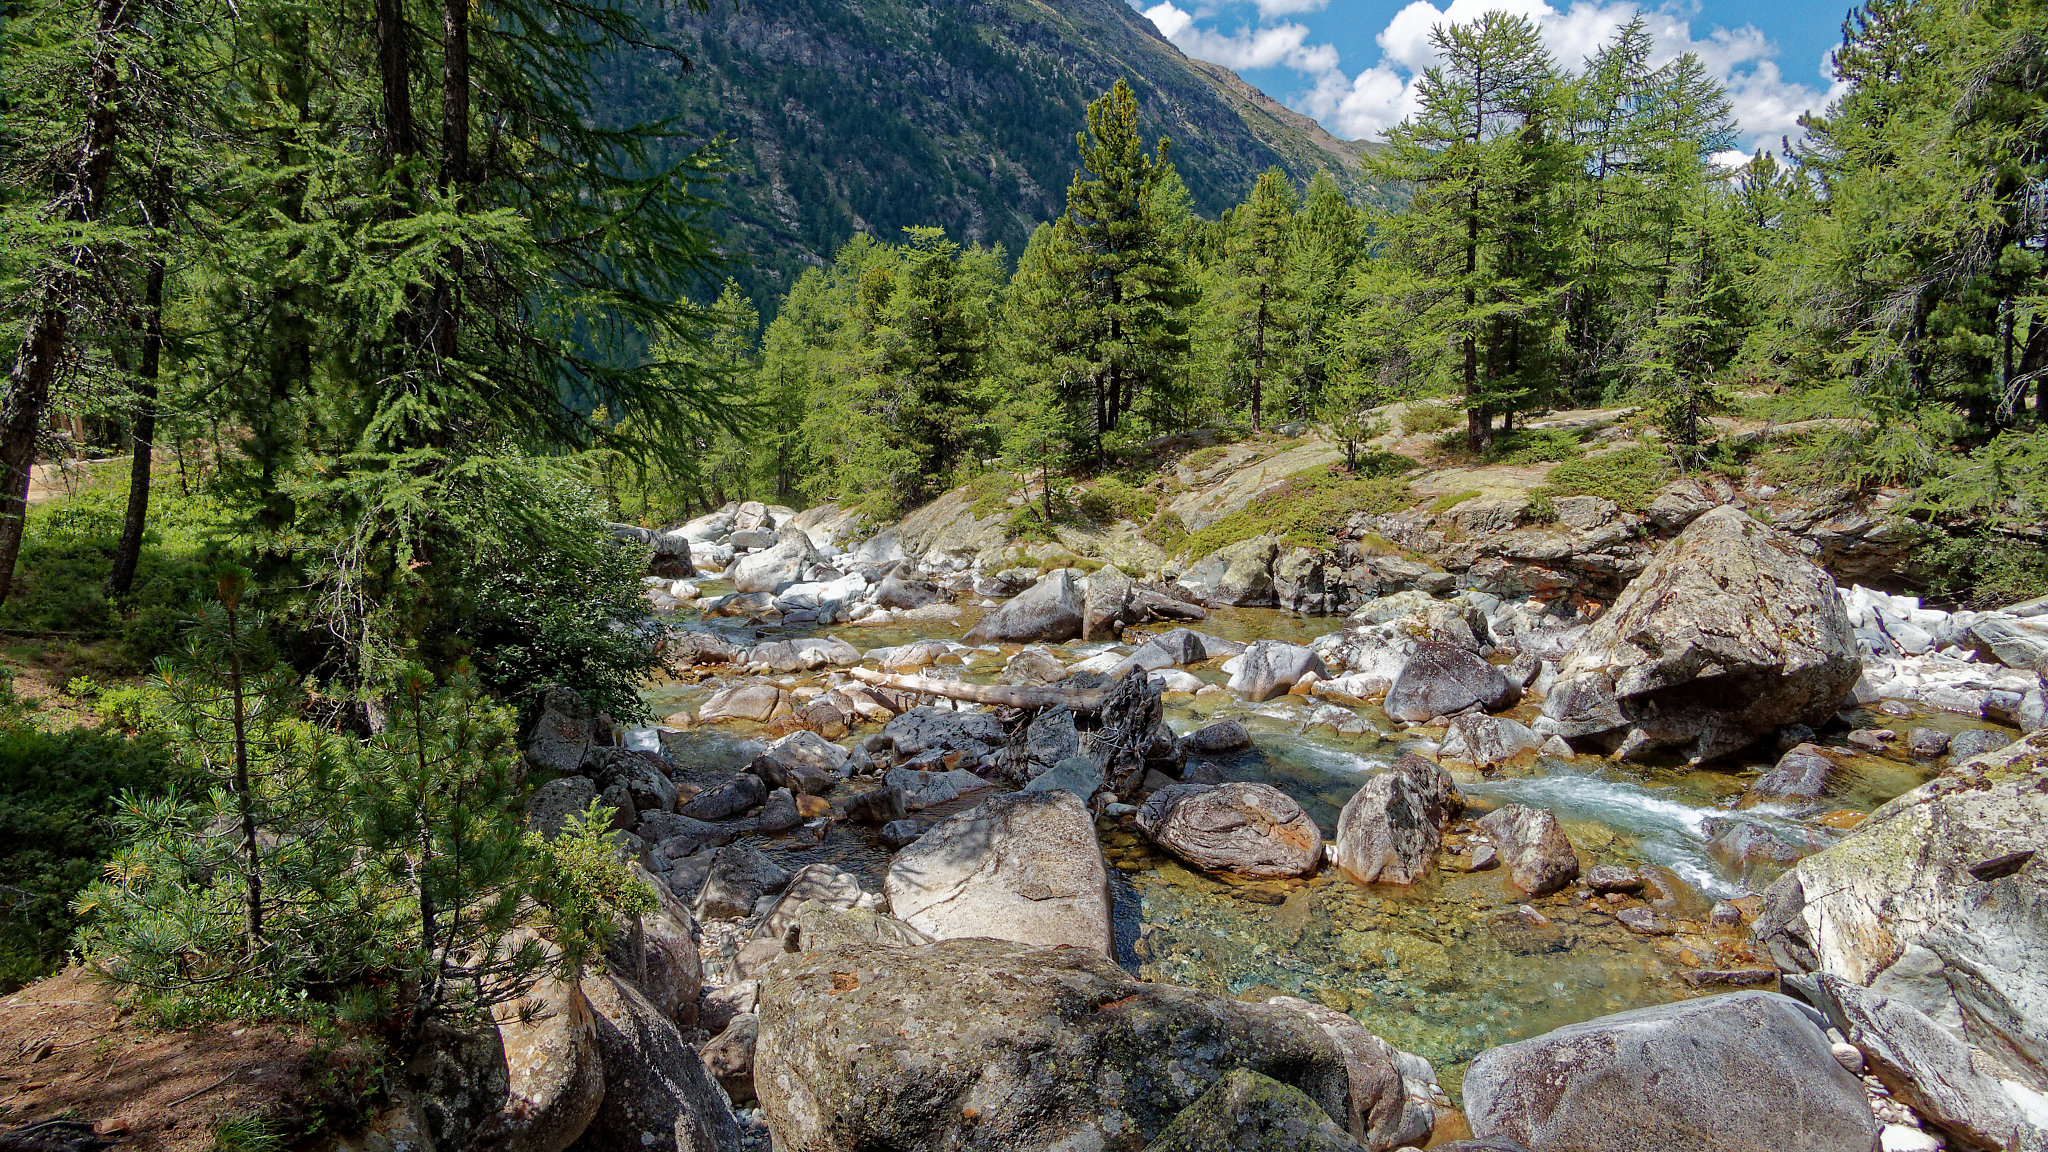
[1448, 967]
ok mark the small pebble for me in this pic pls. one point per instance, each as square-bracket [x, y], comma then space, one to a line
[1850, 1056]
[1899, 1138]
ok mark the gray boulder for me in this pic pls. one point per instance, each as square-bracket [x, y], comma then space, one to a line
[739, 877]
[1023, 867]
[660, 957]
[729, 1057]
[1300, 581]
[924, 728]
[733, 796]
[554, 1078]
[1077, 774]
[1034, 667]
[1729, 635]
[1048, 611]
[1107, 596]
[1476, 738]
[923, 790]
[788, 562]
[1247, 829]
[1802, 773]
[1743, 1072]
[563, 731]
[1539, 857]
[803, 749]
[985, 1046]
[657, 1095]
[1442, 680]
[778, 813]
[1270, 667]
[549, 808]
[741, 702]
[1216, 739]
[1240, 575]
[1391, 828]
[1975, 742]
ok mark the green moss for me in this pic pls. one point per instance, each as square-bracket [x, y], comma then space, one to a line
[1631, 477]
[1451, 500]
[1306, 509]
[1427, 418]
[1111, 499]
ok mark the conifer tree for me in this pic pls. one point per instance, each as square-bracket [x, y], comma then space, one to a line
[1261, 307]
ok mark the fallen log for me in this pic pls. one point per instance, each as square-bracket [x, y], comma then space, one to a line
[1088, 701]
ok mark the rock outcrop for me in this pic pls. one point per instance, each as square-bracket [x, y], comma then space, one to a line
[657, 1095]
[1048, 611]
[1729, 635]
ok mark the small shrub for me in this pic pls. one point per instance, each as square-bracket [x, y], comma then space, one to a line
[1532, 446]
[1168, 532]
[1451, 500]
[1201, 458]
[1540, 511]
[1631, 477]
[1380, 462]
[1422, 418]
[990, 494]
[1112, 499]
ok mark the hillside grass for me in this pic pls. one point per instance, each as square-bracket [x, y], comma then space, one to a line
[1631, 477]
[1306, 509]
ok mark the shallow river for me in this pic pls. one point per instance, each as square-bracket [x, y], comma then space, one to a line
[1446, 968]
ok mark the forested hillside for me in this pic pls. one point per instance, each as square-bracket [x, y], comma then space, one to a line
[870, 117]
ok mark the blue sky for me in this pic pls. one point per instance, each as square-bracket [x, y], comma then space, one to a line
[1351, 64]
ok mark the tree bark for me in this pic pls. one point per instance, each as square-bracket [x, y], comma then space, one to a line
[141, 432]
[1003, 695]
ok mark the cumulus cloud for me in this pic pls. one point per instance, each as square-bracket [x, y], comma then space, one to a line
[1366, 103]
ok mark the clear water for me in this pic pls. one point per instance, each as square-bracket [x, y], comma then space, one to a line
[1450, 966]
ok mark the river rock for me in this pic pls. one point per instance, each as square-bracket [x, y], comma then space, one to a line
[1394, 1094]
[666, 968]
[1975, 742]
[739, 877]
[778, 813]
[742, 702]
[880, 807]
[818, 883]
[902, 591]
[1107, 594]
[788, 562]
[1034, 667]
[1080, 775]
[925, 727]
[1248, 1111]
[1023, 867]
[731, 797]
[1927, 743]
[1742, 1072]
[1391, 827]
[1606, 878]
[1048, 611]
[1217, 739]
[1538, 855]
[564, 730]
[923, 790]
[1270, 667]
[1476, 738]
[1727, 636]
[657, 1095]
[1244, 828]
[981, 1045]
[1800, 774]
[554, 1077]
[729, 1057]
[1442, 680]
[1240, 575]
[673, 837]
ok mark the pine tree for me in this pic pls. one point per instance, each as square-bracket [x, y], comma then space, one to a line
[1132, 326]
[1262, 305]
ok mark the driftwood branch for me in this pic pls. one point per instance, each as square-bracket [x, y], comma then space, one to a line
[1088, 701]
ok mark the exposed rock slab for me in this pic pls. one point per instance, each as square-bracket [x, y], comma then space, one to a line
[1023, 867]
[1244, 828]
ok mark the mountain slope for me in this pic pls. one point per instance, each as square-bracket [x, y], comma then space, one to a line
[854, 116]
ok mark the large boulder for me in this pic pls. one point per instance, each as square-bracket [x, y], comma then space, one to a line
[1217, 739]
[660, 954]
[740, 875]
[552, 804]
[555, 1079]
[729, 1057]
[564, 730]
[788, 562]
[1049, 610]
[1392, 826]
[1270, 667]
[925, 727]
[1728, 636]
[1023, 867]
[1802, 773]
[1539, 857]
[1476, 738]
[730, 797]
[1102, 610]
[1939, 901]
[742, 702]
[1240, 575]
[1443, 680]
[657, 1095]
[1247, 829]
[987, 1046]
[1744, 1072]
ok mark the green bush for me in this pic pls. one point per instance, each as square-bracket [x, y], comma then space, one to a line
[1306, 509]
[58, 792]
[1422, 418]
[1532, 446]
[990, 492]
[1111, 499]
[1631, 477]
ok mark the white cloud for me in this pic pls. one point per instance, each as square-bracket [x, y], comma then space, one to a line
[1367, 103]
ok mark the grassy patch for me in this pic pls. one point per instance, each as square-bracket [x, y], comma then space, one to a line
[989, 494]
[1111, 499]
[1306, 509]
[1450, 500]
[1168, 532]
[1201, 458]
[1631, 477]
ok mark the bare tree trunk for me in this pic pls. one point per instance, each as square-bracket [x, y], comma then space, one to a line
[142, 426]
[1004, 695]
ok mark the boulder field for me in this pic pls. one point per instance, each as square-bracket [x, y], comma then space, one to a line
[923, 878]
